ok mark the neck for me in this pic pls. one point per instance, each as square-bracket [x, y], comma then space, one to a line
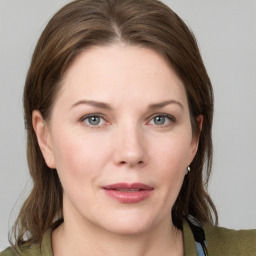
[80, 236]
[72, 239]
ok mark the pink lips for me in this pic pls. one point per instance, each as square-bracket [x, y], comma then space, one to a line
[128, 193]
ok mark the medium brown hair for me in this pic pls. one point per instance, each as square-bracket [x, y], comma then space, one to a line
[85, 23]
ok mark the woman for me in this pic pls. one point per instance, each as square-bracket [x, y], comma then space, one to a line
[118, 110]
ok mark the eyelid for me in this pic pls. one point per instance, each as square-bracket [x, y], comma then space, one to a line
[83, 118]
[91, 115]
[164, 114]
[170, 117]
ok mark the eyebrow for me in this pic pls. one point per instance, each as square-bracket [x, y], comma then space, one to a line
[103, 105]
[165, 103]
[93, 103]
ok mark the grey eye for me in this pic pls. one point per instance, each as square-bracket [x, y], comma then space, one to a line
[93, 120]
[160, 120]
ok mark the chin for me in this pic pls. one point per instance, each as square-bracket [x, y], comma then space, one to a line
[129, 229]
[129, 224]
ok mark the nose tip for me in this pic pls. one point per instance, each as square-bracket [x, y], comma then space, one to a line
[130, 149]
[132, 156]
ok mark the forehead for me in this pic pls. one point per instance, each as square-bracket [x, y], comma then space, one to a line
[121, 72]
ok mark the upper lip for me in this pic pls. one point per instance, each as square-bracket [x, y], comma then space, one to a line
[139, 186]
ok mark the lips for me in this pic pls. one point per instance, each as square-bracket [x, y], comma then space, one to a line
[128, 193]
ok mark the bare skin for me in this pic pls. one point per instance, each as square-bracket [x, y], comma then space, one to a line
[121, 116]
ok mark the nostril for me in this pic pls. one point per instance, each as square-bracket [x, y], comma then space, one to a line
[138, 163]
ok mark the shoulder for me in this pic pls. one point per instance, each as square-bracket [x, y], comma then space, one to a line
[223, 241]
[8, 252]
[42, 249]
[22, 251]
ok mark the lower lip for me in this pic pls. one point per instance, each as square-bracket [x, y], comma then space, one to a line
[128, 197]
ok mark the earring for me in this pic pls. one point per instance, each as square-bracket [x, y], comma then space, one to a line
[188, 170]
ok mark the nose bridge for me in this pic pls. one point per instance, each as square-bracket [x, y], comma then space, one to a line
[130, 144]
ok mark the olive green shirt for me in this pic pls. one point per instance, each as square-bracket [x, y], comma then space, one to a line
[220, 242]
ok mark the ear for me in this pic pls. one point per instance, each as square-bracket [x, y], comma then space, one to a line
[199, 120]
[43, 137]
[195, 139]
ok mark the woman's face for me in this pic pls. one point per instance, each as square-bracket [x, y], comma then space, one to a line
[120, 138]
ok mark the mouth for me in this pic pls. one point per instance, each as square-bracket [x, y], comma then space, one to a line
[128, 193]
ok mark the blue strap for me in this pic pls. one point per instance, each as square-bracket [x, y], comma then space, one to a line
[199, 235]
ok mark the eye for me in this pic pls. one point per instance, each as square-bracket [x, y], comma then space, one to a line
[93, 120]
[162, 120]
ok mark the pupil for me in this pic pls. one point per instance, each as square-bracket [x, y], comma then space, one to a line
[159, 120]
[94, 120]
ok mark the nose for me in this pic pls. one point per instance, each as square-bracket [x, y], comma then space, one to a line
[130, 147]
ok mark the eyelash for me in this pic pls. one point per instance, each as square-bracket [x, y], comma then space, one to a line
[86, 117]
[170, 118]
[96, 115]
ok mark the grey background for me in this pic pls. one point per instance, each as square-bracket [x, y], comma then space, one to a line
[226, 32]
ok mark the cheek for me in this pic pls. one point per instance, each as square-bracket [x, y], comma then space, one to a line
[79, 160]
[173, 152]
[171, 160]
